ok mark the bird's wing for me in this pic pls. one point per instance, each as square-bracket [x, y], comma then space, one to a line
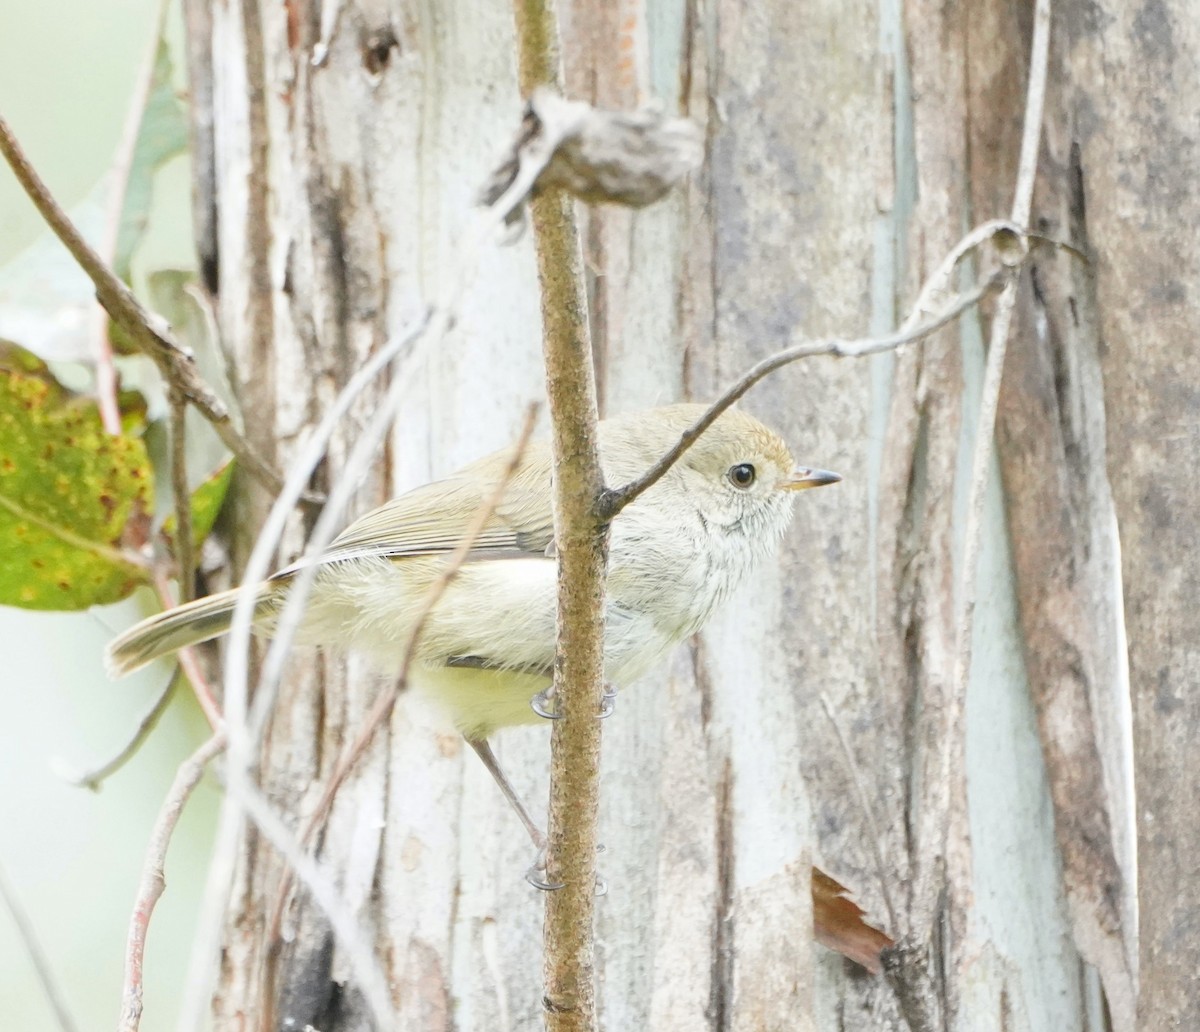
[433, 519]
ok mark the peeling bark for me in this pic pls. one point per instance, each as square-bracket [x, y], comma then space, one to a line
[831, 188]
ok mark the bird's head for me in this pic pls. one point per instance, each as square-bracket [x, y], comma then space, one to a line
[739, 474]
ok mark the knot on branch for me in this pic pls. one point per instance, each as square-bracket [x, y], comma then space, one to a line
[616, 157]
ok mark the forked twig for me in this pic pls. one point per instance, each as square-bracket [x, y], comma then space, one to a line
[149, 332]
[616, 499]
[989, 399]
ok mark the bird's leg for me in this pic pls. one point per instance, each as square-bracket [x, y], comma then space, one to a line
[536, 875]
[608, 701]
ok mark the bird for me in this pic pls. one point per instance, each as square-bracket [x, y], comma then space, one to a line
[485, 653]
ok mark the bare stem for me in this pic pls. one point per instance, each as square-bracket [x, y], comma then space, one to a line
[185, 558]
[876, 839]
[616, 499]
[106, 373]
[153, 881]
[981, 456]
[581, 539]
[149, 332]
[359, 950]
[96, 776]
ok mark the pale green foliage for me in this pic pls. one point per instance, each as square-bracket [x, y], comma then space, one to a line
[70, 498]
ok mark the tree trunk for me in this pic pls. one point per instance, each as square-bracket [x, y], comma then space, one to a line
[848, 148]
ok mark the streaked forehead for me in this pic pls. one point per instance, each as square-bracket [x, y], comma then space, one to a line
[654, 435]
[763, 440]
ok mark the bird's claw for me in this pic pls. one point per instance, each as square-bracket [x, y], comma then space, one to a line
[545, 705]
[539, 877]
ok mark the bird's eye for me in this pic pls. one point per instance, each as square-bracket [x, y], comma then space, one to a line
[742, 475]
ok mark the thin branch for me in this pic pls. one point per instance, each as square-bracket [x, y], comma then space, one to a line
[616, 499]
[568, 964]
[874, 835]
[359, 950]
[95, 777]
[185, 557]
[384, 704]
[327, 526]
[981, 457]
[41, 963]
[106, 373]
[148, 331]
[153, 880]
[237, 672]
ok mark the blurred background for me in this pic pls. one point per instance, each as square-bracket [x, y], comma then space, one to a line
[68, 73]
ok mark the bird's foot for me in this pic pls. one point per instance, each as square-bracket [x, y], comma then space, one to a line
[545, 703]
[539, 877]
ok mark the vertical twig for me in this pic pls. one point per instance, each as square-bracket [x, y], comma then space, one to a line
[864, 804]
[153, 881]
[981, 457]
[106, 373]
[568, 963]
[185, 558]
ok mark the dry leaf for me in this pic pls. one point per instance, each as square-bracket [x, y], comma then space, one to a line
[838, 924]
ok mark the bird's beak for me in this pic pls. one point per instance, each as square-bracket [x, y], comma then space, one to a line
[804, 478]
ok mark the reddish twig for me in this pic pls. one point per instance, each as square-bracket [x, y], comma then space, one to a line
[106, 373]
[152, 882]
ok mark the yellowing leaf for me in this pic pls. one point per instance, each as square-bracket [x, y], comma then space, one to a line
[68, 492]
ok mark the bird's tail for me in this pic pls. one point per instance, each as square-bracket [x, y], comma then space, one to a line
[189, 624]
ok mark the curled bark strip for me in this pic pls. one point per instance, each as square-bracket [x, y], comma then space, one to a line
[617, 157]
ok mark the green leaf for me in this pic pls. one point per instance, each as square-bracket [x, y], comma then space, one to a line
[162, 135]
[69, 495]
[47, 301]
[207, 500]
